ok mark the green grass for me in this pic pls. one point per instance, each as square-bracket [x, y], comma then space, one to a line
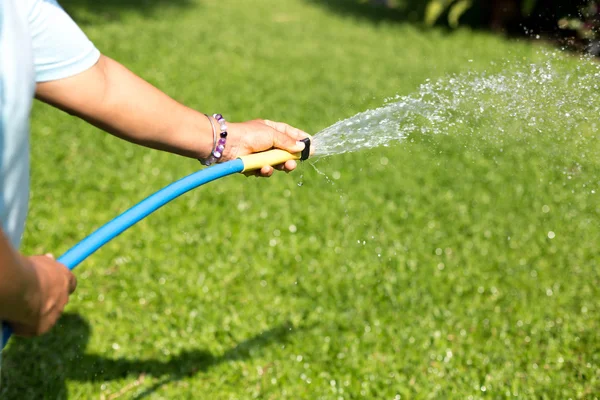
[424, 270]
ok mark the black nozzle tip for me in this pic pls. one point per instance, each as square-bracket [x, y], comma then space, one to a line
[306, 152]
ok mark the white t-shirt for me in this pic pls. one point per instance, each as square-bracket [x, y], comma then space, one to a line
[38, 42]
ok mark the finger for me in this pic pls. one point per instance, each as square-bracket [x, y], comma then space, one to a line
[286, 137]
[72, 283]
[266, 171]
[284, 142]
[50, 255]
[288, 166]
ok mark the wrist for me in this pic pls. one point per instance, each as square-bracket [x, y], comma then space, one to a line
[191, 137]
[32, 300]
[26, 305]
[220, 133]
[203, 131]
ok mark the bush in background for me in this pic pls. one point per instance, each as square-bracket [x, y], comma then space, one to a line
[574, 24]
[585, 28]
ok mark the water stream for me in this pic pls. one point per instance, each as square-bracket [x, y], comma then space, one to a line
[551, 96]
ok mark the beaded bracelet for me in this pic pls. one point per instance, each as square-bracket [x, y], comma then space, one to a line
[217, 152]
[214, 131]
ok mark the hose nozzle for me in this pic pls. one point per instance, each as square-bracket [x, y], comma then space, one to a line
[306, 152]
[274, 157]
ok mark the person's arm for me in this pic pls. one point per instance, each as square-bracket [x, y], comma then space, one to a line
[17, 285]
[33, 290]
[111, 97]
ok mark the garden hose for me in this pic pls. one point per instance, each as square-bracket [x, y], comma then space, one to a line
[74, 256]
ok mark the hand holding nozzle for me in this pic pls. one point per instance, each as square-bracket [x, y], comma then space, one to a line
[260, 136]
[273, 157]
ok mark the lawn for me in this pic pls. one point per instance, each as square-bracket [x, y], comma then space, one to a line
[458, 265]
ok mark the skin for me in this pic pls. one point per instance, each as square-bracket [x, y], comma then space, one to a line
[34, 290]
[114, 99]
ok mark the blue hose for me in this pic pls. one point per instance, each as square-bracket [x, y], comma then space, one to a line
[112, 229]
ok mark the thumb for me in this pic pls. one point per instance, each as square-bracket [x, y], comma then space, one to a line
[72, 282]
[284, 142]
[287, 137]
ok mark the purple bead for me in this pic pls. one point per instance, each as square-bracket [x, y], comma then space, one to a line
[218, 117]
[217, 154]
[222, 141]
[220, 148]
[209, 161]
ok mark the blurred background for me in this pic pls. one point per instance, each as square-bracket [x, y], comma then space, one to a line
[569, 24]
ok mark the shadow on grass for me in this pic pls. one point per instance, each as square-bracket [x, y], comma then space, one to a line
[405, 11]
[39, 368]
[90, 12]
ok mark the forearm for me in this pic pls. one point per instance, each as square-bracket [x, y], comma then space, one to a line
[114, 99]
[18, 285]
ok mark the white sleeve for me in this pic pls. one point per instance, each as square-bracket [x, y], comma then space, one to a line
[60, 48]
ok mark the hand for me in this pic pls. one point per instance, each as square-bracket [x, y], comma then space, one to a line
[54, 285]
[260, 135]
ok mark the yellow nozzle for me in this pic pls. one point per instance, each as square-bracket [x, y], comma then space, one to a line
[256, 161]
[274, 157]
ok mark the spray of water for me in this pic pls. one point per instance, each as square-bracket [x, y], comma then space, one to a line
[553, 97]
